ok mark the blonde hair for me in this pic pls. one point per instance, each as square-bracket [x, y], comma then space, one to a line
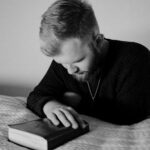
[67, 19]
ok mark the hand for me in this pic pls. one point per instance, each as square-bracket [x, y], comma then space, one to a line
[59, 113]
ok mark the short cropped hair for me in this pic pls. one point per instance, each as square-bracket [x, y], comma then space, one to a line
[66, 19]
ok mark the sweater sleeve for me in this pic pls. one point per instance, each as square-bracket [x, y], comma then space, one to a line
[133, 90]
[51, 87]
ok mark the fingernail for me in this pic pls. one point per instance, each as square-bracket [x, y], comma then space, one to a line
[75, 126]
[83, 124]
[56, 123]
[67, 125]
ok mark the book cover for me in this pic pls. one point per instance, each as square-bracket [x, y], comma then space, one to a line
[41, 134]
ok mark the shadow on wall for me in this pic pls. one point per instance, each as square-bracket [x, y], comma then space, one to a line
[15, 90]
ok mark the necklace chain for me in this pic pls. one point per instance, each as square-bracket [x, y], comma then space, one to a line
[93, 96]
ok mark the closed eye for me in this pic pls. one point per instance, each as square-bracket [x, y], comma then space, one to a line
[79, 60]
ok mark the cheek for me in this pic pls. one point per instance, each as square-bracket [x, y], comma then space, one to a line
[85, 65]
[90, 63]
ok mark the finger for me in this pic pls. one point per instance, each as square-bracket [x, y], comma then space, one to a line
[53, 119]
[81, 122]
[78, 118]
[60, 115]
[70, 118]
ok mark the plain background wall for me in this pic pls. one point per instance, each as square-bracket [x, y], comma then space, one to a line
[22, 64]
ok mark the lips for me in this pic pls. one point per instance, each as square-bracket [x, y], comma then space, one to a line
[82, 76]
[81, 73]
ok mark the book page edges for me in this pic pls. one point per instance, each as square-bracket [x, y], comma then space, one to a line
[22, 138]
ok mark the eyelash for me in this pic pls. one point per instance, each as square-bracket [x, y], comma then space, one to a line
[78, 61]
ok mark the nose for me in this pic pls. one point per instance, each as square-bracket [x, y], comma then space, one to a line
[72, 69]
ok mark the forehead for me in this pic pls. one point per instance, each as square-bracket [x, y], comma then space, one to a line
[71, 50]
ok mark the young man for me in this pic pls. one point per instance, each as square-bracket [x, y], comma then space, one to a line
[89, 74]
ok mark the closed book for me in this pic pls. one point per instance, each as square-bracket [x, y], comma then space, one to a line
[41, 134]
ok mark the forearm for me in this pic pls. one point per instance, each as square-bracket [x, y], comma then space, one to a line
[36, 103]
[50, 87]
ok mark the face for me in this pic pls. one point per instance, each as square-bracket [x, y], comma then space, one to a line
[77, 57]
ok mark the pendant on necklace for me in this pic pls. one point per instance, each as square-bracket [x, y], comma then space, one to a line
[93, 96]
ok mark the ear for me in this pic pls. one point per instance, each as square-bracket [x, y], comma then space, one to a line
[99, 39]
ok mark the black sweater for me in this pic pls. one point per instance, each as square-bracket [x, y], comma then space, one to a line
[124, 93]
